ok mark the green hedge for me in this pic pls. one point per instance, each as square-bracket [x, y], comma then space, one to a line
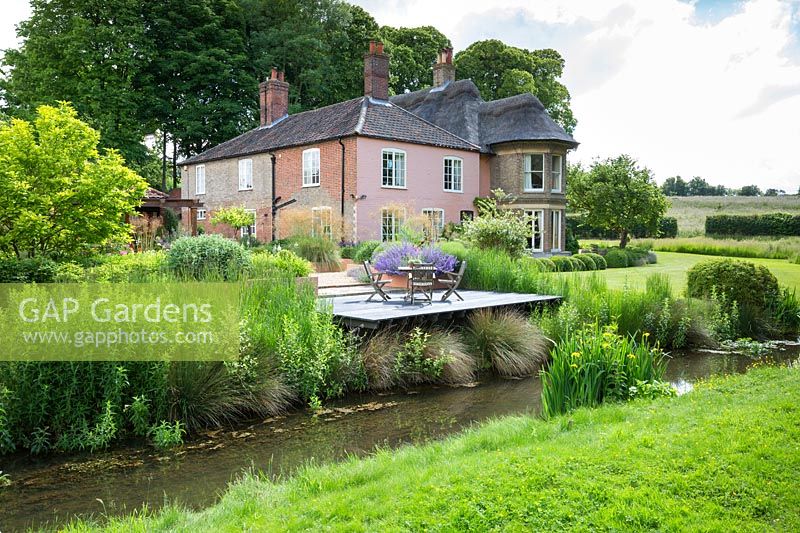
[667, 228]
[769, 224]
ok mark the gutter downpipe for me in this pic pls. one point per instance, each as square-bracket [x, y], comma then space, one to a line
[274, 207]
[342, 188]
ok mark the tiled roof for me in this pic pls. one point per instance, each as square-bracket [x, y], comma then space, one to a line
[154, 194]
[360, 116]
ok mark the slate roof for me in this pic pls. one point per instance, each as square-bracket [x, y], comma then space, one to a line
[360, 116]
[459, 108]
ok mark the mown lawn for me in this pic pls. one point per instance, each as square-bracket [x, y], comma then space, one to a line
[725, 457]
[675, 266]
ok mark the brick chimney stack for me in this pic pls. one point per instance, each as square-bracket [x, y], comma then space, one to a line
[443, 70]
[274, 98]
[376, 72]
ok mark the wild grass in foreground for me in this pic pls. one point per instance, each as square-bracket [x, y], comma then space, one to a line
[721, 458]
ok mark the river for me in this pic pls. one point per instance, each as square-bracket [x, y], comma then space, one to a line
[46, 492]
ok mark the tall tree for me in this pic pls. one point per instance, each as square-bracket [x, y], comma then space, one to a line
[750, 190]
[675, 186]
[202, 86]
[412, 52]
[497, 69]
[617, 195]
[91, 54]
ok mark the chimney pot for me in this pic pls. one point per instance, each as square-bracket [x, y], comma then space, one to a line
[274, 74]
[376, 72]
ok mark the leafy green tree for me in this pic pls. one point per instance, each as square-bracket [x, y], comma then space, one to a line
[675, 186]
[750, 190]
[58, 194]
[616, 195]
[235, 217]
[412, 52]
[496, 69]
[91, 54]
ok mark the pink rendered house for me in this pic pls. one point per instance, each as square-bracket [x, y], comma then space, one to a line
[360, 168]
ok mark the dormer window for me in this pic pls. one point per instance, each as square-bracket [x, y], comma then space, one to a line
[533, 170]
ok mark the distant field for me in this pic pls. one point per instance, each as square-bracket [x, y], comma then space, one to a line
[691, 211]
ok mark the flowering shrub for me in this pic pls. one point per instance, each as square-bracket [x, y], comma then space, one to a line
[395, 256]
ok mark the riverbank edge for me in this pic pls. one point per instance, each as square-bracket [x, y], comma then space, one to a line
[724, 456]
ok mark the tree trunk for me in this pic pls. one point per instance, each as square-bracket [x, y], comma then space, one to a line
[164, 161]
[174, 165]
[623, 238]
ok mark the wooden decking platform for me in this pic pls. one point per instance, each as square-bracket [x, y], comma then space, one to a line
[355, 311]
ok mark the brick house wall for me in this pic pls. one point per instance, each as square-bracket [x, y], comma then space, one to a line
[289, 182]
[222, 190]
[507, 173]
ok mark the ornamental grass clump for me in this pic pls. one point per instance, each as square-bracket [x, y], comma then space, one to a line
[397, 358]
[596, 364]
[505, 342]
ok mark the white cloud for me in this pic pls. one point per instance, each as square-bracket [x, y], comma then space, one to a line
[678, 85]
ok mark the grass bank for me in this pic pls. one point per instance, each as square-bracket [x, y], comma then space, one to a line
[722, 458]
[691, 211]
[674, 265]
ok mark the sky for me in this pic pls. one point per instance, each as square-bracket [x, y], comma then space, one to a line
[705, 88]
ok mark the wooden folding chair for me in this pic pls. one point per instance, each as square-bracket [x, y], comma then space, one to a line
[452, 280]
[421, 282]
[376, 282]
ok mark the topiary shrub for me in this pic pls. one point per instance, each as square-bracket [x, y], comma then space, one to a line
[547, 264]
[563, 263]
[599, 260]
[211, 256]
[577, 264]
[365, 250]
[617, 258]
[588, 262]
[347, 252]
[748, 284]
